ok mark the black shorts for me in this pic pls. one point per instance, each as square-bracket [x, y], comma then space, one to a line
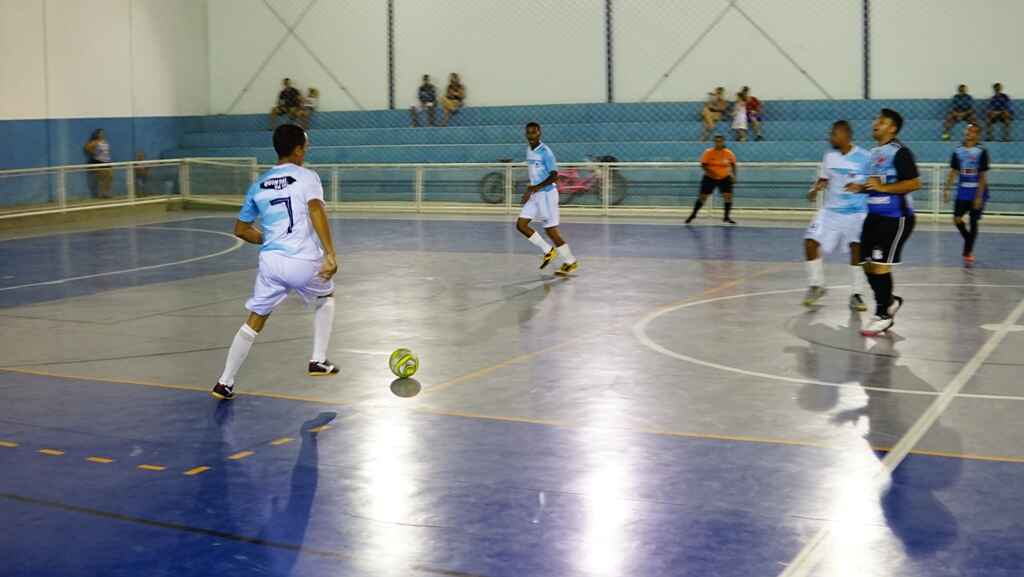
[708, 185]
[962, 207]
[883, 237]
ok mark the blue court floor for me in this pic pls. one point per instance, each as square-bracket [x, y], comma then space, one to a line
[672, 410]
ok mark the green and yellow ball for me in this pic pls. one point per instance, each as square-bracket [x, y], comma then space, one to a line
[404, 363]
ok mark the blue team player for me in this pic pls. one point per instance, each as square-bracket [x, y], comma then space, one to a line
[296, 253]
[893, 176]
[969, 169]
[540, 202]
[839, 223]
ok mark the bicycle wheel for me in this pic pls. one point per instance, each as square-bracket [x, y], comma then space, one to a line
[492, 188]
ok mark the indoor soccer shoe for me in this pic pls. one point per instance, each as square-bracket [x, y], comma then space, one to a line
[968, 260]
[894, 306]
[857, 303]
[322, 369]
[813, 295]
[568, 268]
[728, 220]
[550, 256]
[223, 392]
[877, 326]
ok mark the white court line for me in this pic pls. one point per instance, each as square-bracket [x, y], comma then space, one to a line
[812, 553]
[238, 244]
[640, 332]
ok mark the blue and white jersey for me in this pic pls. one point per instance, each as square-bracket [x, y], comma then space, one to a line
[892, 162]
[540, 162]
[279, 199]
[970, 162]
[841, 169]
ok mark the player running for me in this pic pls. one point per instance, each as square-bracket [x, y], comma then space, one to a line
[890, 218]
[540, 202]
[969, 169]
[296, 253]
[840, 222]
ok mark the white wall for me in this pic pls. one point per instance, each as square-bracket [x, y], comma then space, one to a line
[925, 48]
[507, 52]
[102, 58]
[348, 36]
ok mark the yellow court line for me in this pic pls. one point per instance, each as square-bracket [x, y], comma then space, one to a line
[196, 470]
[8, 444]
[102, 460]
[319, 429]
[152, 467]
[51, 452]
[241, 455]
[714, 436]
[281, 441]
[280, 396]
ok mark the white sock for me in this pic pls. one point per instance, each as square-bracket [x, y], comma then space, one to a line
[857, 279]
[539, 242]
[237, 353]
[815, 272]
[323, 321]
[566, 253]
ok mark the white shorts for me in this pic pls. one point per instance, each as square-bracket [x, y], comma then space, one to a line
[542, 206]
[834, 230]
[280, 274]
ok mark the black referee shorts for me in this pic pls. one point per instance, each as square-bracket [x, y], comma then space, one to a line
[883, 237]
[962, 207]
[708, 185]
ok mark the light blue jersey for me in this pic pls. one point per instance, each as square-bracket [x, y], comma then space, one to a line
[841, 169]
[279, 199]
[540, 163]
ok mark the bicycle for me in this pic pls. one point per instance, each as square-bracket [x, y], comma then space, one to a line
[572, 182]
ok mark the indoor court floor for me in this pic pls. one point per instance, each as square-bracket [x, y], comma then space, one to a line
[672, 410]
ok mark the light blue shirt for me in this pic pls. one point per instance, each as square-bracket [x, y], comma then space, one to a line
[841, 169]
[540, 162]
[280, 200]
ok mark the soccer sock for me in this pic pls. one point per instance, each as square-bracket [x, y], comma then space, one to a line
[857, 279]
[963, 232]
[236, 354]
[696, 208]
[881, 284]
[323, 322]
[972, 236]
[566, 253]
[538, 241]
[728, 209]
[815, 272]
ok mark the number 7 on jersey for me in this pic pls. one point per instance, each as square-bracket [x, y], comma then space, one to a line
[287, 202]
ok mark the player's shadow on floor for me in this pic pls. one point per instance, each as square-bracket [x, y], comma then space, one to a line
[838, 354]
[517, 306]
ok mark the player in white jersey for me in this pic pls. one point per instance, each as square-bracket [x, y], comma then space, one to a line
[296, 253]
[540, 202]
[839, 223]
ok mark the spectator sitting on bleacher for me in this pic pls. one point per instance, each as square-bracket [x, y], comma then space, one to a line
[713, 110]
[454, 97]
[427, 97]
[755, 113]
[310, 103]
[999, 111]
[961, 109]
[739, 116]
[289, 102]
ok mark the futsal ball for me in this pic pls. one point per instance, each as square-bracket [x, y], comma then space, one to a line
[404, 363]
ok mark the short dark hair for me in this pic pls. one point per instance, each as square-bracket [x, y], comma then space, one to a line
[529, 124]
[287, 138]
[894, 117]
[997, 86]
[845, 125]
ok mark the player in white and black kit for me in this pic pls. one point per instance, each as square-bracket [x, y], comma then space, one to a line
[839, 223]
[890, 221]
[540, 202]
[296, 253]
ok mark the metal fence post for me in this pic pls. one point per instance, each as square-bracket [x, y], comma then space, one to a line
[62, 188]
[334, 184]
[419, 189]
[509, 188]
[130, 185]
[183, 179]
[606, 187]
[254, 170]
[936, 192]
